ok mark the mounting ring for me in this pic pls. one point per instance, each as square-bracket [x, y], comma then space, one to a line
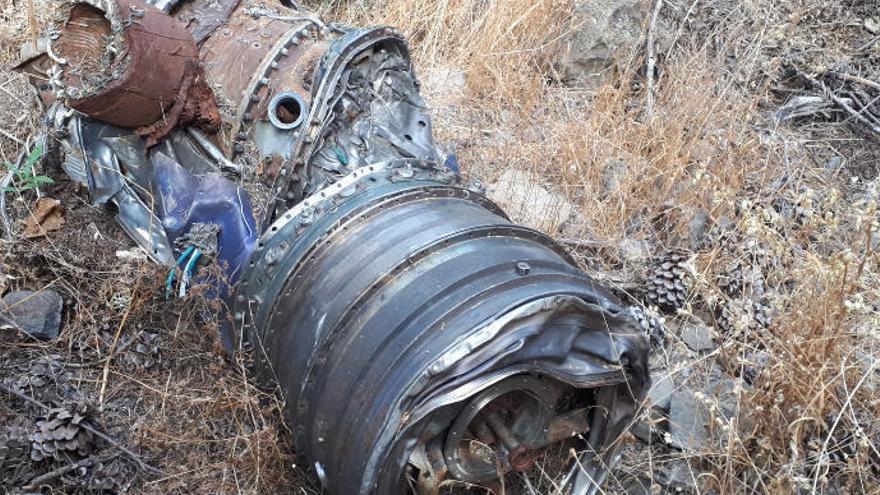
[287, 110]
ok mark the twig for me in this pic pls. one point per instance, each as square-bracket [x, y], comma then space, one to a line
[842, 104]
[106, 373]
[7, 180]
[584, 243]
[652, 61]
[10, 136]
[868, 45]
[678, 33]
[94, 431]
[850, 77]
[32, 23]
[55, 473]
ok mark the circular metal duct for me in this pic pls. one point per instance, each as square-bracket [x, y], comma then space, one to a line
[389, 302]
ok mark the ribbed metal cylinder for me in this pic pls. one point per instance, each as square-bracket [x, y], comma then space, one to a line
[360, 303]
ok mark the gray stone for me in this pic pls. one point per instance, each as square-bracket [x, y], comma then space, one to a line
[444, 88]
[697, 228]
[698, 337]
[687, 421]
[604, 32]
[613, 174]
[661, 389]
[520, 195]
[35, 313]
[652, 427]
[676, 475]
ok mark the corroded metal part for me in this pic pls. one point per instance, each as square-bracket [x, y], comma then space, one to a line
[253, 58]
[128, 64]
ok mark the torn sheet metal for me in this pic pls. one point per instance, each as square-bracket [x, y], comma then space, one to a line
[128, 64]
[157, 199]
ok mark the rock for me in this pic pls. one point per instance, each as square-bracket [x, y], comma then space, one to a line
[687, 421]
[604, 31]
[698, 337]
[35, 313]
[697, 228]
[661, 390]
[613, 174]
[520, 195]
[652, 427]
[676, 475]
[443, 87]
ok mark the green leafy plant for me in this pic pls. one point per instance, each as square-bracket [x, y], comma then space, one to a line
[25, 177]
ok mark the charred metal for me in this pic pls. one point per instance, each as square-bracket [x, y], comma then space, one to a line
[416, 334]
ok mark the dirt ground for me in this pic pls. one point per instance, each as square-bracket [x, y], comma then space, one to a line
[720, 169]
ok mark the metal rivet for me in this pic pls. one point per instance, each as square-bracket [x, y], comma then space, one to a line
[523, 268]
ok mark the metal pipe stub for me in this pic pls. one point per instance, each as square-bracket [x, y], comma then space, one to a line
[287, 110]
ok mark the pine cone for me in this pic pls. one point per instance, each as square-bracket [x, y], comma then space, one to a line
[61, 434]
[44, 379]
[744, 315]
[651, 324]
[668, 284]
[111, 476]
[14, 443]
[731, 283]
[145, 353]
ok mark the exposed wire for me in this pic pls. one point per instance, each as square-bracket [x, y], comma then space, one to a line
[188, 272]
[169, 282]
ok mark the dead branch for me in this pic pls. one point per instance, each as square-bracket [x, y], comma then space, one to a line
[94, 431]
[840, 102]
[652, 61]
[55, 473]
[852, 78]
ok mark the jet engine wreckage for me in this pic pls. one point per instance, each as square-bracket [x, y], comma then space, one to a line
[415, 333]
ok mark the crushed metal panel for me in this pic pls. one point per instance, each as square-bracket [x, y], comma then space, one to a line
[130, 65]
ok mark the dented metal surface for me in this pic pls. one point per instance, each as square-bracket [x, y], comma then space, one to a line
[415, 333]
[130, 65]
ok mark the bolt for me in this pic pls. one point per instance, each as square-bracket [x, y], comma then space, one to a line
[523, 268]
